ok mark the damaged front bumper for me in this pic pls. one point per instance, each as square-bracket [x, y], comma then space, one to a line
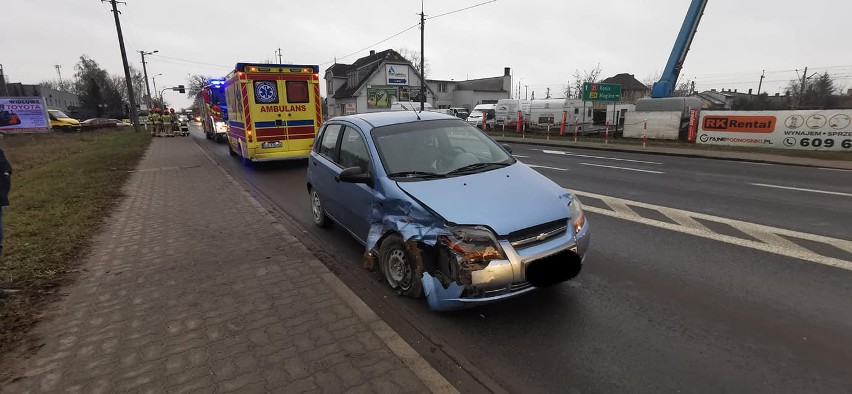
[508, 278]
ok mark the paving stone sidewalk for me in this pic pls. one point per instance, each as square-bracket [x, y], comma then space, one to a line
[192, 286]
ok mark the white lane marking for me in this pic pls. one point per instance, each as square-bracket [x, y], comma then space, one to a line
[549, 168]
[685, 220]
[803, 189]
[622, 168]
[834, 169]
[559, 152]
[775, 245]
[621, 207]
[521, 156]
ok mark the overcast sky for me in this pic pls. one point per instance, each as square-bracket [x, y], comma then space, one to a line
[542, 41]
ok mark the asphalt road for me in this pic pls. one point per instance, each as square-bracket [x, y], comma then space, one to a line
[654, 309]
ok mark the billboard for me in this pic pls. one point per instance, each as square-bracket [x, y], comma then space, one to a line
[381, 96]
[804, 130]
[23, 114]
[396, 74]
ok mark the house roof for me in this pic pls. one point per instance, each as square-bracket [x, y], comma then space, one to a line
[493, 84]
[627, 82]
[368, 65]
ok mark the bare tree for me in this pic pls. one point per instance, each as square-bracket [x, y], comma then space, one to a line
[652, 78]
[194, 85]
[65, 85]
[414, 58]
[683, 88]
[574, 89]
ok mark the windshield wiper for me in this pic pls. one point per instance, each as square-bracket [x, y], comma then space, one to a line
[475, 167]
[416, 174]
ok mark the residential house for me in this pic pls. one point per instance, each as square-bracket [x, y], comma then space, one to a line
[372, 84]
[469, 93]
[631, 88]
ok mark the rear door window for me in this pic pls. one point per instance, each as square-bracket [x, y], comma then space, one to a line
[297, 92]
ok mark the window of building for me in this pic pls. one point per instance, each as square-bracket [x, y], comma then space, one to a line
[442, 87]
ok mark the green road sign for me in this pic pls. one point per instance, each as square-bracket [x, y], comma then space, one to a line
[601, 92]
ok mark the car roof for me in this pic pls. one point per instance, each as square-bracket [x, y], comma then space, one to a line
[379, 119]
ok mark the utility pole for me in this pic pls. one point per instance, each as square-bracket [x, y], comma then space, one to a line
[760, 85]
[802, 88]
[133, 114]
[145, 72]
[279, 56]
[422, 70]
[58, 71]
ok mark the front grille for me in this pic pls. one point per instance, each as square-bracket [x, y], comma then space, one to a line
[536, 234]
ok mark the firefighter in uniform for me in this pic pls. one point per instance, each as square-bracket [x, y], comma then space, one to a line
[156, 122]
[175, 125]
[167, 123]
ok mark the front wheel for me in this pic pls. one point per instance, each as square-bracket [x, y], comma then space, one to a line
[400, 267]
[320, 219]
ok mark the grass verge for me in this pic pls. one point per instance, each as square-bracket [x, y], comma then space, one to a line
[63, 188]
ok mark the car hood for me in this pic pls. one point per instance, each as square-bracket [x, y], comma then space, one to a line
[506, 199]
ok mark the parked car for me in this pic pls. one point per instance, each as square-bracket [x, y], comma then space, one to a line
[444, 211]
[61, 122]
[461, 113]
[486, 111]
[99, 123]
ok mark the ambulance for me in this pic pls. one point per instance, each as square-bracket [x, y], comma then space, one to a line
[274, 111]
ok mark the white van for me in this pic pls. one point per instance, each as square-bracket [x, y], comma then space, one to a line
[549, 112]
[406, 106]
[506, 112]
[480, 111]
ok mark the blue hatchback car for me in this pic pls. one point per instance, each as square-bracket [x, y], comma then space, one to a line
[442, 209]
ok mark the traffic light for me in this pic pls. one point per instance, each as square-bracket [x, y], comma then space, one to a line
[180, 89]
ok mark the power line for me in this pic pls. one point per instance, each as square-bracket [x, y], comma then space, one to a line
[371, 46]
[460, 9]
[403, 31]
[190, 61]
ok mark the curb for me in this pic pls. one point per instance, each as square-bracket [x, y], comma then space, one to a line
[431, 378]
[676, 154]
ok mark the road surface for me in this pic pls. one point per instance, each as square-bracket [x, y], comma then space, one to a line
[704, 275]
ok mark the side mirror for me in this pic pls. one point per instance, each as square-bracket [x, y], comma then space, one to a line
[507, 148]
[355, 175]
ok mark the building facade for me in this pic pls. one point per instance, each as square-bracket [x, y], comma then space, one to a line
[469, 93]
[374, 82]
[54, 99]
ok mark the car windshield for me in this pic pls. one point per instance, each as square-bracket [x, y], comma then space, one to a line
[58, 114]
[438, 147]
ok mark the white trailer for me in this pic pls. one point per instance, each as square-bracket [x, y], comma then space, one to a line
[549, 112]
[506, 111]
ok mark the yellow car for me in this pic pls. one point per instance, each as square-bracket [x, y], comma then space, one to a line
[61, 122]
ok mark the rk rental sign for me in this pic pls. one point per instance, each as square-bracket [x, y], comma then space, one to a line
[829, 130]
[601, 92]
[23, 114]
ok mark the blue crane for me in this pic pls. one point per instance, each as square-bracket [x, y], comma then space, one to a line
[665, 86]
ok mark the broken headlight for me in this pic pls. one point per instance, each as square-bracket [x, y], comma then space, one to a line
[474, 247]
[578, 218]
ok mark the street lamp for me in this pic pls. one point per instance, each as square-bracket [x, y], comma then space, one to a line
[145, 71]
